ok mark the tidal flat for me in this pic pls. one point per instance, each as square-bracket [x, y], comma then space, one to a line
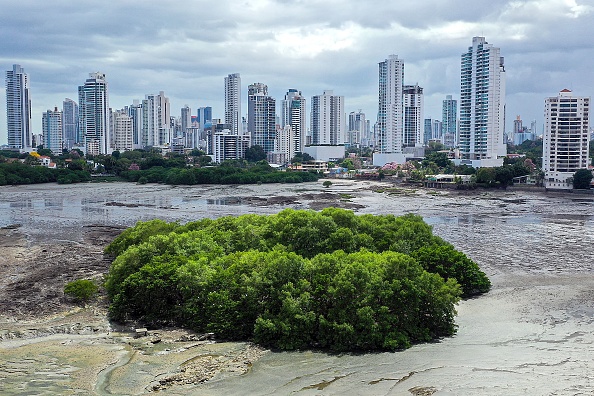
[533, 333]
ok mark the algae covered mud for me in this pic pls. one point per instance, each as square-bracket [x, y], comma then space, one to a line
[532, 334]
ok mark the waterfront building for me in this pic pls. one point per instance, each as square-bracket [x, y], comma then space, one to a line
[18, 109]
[94, 113]
[261, 117]
[482, 105]
[449, 117]
[70, 128]
[233, 102]
[285, 143]
[327, 119]
[566, 138]
[293, 114]
[222, 144]
[51, 126]
[123, 130]
[413, 115]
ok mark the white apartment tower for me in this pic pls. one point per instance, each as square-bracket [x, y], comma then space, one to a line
[285, 143]
[93, 107]
[413, 116]
[52, 131]
[390, 115]
[327, 119]
[565, 142]
[482, 105]
[123, 131]
[18, 109]
[156, 120]
[233, 102]
[261, 117]
[294, 115]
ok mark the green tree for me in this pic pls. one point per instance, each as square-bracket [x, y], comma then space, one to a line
[582, 179]
[485, 176]
[301, 158]
[255, 153]
[327, 183]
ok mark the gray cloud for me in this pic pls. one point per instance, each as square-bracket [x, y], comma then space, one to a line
[186, 48]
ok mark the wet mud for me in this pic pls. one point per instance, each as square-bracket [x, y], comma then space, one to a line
[532, 334]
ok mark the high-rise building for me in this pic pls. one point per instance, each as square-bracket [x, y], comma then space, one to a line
[233, 102]
[52, 131]
[566, 138]
[261, 117]
[204, 115]
[327, 119]
[390, 115]
[93, 107]
[135, 112]
[357, 130]
[432, 130]
[413, 115]
[294, 114]
[70, 128]
[449, 116]
[18, 109]
[156, 119]
[482, 105]
[123, 130]
[186, 118]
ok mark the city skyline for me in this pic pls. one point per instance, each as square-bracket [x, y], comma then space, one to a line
[545, 45]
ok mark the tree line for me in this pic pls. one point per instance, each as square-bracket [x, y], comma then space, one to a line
[18, 173]
[297, 279]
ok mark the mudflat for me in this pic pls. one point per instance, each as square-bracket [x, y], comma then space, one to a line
[533, 333]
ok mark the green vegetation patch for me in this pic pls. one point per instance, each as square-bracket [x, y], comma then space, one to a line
[81, 290]
[294, 280]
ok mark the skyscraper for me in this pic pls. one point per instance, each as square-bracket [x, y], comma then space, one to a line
[156, 120]
[357, 130]
[18, 109]
[293, 114]
[413, 115]
[204, 115]
[52, 130]
[93, 107]
[185, 120]
[327, 119]
[261, 117]
[233, 102]
[135, 112]
[482, 104]
[565, 142]
[70, 127]
[449, 115]
[390, 115]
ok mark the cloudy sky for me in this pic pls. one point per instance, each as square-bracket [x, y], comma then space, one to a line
[186, 48]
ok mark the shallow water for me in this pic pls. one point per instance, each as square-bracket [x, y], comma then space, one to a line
[532, 334]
